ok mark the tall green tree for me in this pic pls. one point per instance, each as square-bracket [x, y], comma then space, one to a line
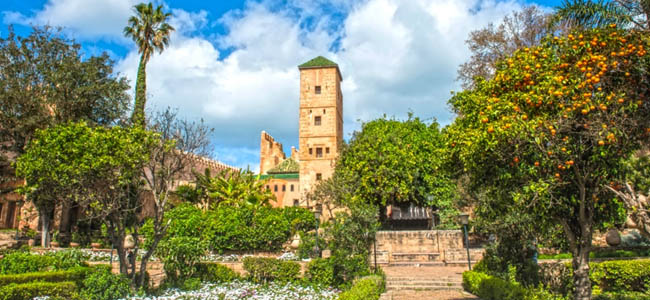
[150, 31]
[44, 81]
[551, 128]
[396, 162]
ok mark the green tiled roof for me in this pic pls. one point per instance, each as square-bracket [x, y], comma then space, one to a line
[287, 166]
[281, 176]
[318, 61]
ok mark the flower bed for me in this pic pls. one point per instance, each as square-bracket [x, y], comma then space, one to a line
[246, 290]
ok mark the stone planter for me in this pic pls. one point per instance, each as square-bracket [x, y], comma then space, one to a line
[31, 242]
[74, 245]
[95, 245]
[54, 244]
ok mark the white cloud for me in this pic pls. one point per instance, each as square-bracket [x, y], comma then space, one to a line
[87, 19]
[395, 56]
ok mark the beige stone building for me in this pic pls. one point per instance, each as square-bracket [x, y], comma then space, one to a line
[320, 136]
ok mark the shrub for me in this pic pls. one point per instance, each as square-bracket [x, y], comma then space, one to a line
[262, 269]
[24, 262]
[270, 229]
[76, 275]
[300, 219]
[68, 258]
[622, 275]
[320, 271]
[214, 272]
[307, 244]
[26, 291]
[472, 280]
[365, 288]
[101, 284]
[609, 276]
[179, 255]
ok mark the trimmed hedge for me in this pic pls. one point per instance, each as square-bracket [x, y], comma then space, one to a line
[320, 271]
[26, 291]
[75, 275]
[617, 276]
[214, 272]
[623, 296]
[263, 269]
[19, 262]
[365, 288]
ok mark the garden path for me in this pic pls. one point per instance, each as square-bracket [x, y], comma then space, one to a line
[424, 282]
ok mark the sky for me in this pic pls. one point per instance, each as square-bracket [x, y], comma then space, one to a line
[234, 64]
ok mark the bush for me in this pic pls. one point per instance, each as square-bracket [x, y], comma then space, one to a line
[472, 280]
[74, 275]
[179, 256]
[101, 284]
[214, 272]
[621, 276]
[26, 291]
[320, 271]
[262, 269]
[609, 276]
[270, 229]
[488, 287]
[365, 288]
[300, 219]
[68, 258]
[24, 262]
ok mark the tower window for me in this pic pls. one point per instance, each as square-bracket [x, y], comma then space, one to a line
[296, 202]
[327, 150]
[319, 152]
[310, 151]
[275, 188]
[292, 187]
[268, 188]
[317, 89]
[323, 111]
[317, 120]
[284, 187]
[319, 176]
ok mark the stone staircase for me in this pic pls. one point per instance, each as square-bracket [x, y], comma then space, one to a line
[424, 284]
[8, 241]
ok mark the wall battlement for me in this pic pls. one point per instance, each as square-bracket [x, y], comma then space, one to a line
[271, 152]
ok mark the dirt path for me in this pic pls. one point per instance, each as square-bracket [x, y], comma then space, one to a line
[451, 277]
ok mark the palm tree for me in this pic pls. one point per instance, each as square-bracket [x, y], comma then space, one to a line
[599, 13]
[149, 30]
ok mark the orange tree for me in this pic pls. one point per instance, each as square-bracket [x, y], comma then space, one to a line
[551, 127]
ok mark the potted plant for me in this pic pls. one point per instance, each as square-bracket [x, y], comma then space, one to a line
[31, 235]
[75, 238]
[96, 244]
[55, 239]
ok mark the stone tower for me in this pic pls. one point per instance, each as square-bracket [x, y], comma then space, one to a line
[320, 122]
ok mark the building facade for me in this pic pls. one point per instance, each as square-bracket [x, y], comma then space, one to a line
[320, 136]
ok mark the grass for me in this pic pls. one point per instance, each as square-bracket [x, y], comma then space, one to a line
[601, 254]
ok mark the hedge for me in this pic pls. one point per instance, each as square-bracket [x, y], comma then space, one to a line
[365, 288]
[615, 276]
[214, 272]
[26, 291]
[76, 275]
[263, 269]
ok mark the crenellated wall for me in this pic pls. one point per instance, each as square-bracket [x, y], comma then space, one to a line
[271, 153]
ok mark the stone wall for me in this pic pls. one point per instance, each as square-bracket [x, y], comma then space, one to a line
[271, 152]
[422, 246]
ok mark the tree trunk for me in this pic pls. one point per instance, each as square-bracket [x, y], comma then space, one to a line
[45, 230]
[581, 273]
[140, 94]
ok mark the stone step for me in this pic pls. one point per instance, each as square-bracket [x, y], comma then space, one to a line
[422, 282]
[415, 257]
[417, 264]
[425, 288]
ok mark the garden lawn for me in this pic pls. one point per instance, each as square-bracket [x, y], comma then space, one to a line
[246, 290]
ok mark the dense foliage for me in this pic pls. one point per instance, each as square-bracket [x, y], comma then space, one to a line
[263, 270]
[550, 130]
[365, 288]
[396, 162]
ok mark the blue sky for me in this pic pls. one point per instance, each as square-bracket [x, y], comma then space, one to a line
[233, 63]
